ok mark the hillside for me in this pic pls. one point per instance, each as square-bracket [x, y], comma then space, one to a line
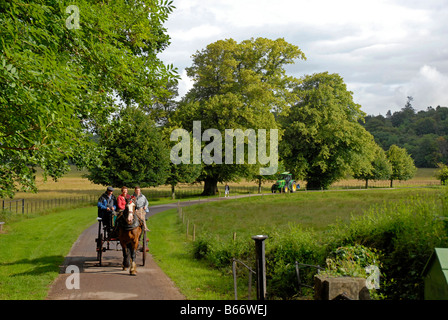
[424, 133]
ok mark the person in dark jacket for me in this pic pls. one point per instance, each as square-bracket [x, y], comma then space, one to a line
[107, 204]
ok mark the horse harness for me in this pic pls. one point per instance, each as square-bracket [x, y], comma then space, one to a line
[122, 223]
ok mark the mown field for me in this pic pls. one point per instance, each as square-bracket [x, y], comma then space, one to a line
[313, 209]
[300, 226]
[74, 184]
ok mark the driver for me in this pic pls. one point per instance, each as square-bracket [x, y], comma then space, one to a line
[107, 204]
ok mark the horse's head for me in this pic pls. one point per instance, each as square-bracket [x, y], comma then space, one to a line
[130, 208]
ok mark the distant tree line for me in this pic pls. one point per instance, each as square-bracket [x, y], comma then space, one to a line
[424, 134]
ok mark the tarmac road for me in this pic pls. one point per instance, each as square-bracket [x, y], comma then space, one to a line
[109, 282]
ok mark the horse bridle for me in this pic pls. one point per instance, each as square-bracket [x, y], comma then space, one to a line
[130, 206]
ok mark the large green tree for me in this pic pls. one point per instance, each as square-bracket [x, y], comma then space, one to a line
[135, 152]
[322, 139]
[237, 86]
[62, 69]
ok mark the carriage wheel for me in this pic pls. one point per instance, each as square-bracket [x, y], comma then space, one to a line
[99, 244]
[144, 248]
[100, 249]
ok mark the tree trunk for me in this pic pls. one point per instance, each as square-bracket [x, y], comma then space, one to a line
[173, 194]
[315, 185]
[259, 185]
[391, 183]
[367, 183]
[210, 186]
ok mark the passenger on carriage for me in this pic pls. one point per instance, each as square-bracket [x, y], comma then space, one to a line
[141, 205]
[107, 204]
[122, 198]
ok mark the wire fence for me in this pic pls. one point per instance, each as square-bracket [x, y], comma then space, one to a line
[250, 272]
[299, 279]
[197, 190]
[31, 206]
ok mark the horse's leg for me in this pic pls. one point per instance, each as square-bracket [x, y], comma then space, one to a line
[125, 257]
[133, 251]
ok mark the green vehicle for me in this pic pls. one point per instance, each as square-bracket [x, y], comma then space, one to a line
[285, 183]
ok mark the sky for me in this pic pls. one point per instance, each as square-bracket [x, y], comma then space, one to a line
[385, 50]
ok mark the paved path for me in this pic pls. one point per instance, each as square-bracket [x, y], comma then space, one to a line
[109, 282]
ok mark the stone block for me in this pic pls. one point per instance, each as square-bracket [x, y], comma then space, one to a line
[331, 288]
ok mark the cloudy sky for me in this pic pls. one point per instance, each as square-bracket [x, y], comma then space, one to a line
[385, 50]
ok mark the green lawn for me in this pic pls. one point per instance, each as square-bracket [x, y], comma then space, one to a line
[317, 210]
[248, 217]
[33, 249]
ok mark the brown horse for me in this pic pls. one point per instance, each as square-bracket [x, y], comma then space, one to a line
[129, 231]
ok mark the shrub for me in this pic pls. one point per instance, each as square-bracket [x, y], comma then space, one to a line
[406, 233]
[220, 253]
[351, 261]
[201, 248]
[442, 173]
[282, 251]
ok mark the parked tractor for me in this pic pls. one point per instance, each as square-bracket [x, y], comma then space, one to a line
[285, 183]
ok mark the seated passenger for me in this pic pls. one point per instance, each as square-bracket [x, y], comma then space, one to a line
[141, 205]
[122, 198]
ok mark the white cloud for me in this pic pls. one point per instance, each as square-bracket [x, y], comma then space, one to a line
[198, 32]
[379, 47]
[185, 84]
[429, 87]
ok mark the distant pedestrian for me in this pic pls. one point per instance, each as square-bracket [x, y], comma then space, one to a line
[226, 191]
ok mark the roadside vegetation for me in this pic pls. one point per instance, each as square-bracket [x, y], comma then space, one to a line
[402, 227]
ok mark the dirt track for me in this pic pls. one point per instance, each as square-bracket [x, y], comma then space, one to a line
[109, 282]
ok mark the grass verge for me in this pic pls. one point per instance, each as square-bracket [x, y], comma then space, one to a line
[32, 250]
[169, 248]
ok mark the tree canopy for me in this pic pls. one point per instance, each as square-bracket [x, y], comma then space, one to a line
[135, 152]
[380, 168]
[424, 134]
[322, 139]
[236, 86]
[60, 83]
[403, 167]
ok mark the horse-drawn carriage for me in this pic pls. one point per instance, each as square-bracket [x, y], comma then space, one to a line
[125, 229]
